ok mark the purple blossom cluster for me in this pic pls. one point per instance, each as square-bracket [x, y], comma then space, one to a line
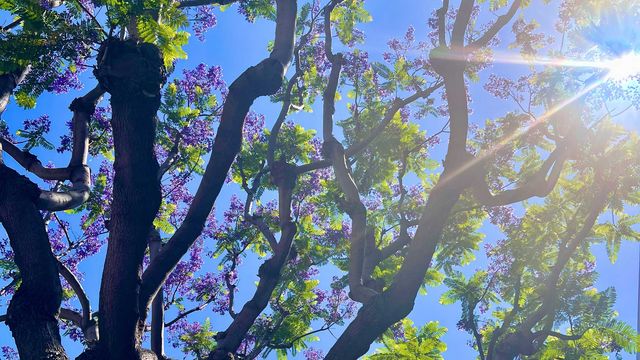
[46, 4]
[397, 330]
[356, 64]
[204, 20]
[73, 332]
[500, 258]
[400, 48]
[333, 237]
[503, 216]
[184, 333]
[185, 270]
[9, 353]
[335, 305]
[529, 41]
[100, 127]
[254, 126]
[211, 288]
[66, 81]
[39, 125]
[504, 88]
[313, 354]
[201, 81]
[199, 133]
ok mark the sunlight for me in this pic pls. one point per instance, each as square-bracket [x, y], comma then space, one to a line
[624, 67]
[618, 69]
[535, 123]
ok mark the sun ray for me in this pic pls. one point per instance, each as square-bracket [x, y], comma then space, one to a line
[518, 133]
[517, 59]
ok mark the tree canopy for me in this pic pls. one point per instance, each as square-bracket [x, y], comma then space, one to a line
[323, 189]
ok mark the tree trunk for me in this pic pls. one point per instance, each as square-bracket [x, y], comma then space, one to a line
[33, 309]
[133, 74]
[397, 301]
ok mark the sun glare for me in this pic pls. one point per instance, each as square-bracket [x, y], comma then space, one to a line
[624, 67]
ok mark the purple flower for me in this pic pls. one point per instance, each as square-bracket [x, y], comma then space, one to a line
[46, 4]
[204, 20]
[313, 354]
[253, 127]
[41, 125]
[8, 353]
[66, 81]
[356, 63]
[201, 81]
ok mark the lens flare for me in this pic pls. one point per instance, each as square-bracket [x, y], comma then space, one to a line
[624, 67]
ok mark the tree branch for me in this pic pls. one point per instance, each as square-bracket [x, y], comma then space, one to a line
[260, 80]
[192, 3]
[73, 281]
[461, 23]
[540, 184]
[228, 342]
[497, 26]
[77, 171]
[442, 26]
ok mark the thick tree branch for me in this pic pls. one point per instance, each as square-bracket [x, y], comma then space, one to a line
[334, 151]
[157, 306]
[73, 281]
[397, 300]
[260, 80]
[461, 23]
[284, 177]
[77, 171]
[540, 184]
[34, 306]
[442, 25]
[192, 3]
[133, 73]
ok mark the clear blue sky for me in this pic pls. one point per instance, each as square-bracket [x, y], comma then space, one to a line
[235, 45]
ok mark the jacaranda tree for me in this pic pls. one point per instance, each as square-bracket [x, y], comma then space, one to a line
[371, 196]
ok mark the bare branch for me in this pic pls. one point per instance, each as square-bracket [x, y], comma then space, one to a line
[391, 112]
[540, 184]
[187, 313]
[497, 26]
[73, 281]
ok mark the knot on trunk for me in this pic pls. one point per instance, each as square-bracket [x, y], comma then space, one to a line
[82, 105]
[445, 60]
[263, 79]
[329, 146]
[81, 174]
[517, 343]
[283, 175]
[128, 70]
[269, 268]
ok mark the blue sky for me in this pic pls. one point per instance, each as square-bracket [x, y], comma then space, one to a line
[235, 45]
